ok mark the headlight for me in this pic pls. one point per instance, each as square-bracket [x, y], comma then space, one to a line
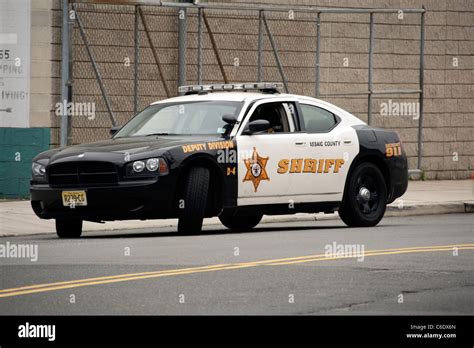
[38, 169]
[138, 166]
[152, 164]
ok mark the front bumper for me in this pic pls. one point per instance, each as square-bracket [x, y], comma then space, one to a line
[131, 200]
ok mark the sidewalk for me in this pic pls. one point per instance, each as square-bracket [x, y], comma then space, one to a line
[422, 198]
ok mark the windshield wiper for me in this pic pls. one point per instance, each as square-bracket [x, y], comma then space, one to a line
[148, 135]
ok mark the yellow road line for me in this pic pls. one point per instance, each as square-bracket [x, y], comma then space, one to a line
[24, 292]
[106, 278]
[272, 262]
[448, 247]
[368, 254]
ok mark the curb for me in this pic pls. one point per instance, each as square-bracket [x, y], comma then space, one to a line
[427, 209]
[392, 211]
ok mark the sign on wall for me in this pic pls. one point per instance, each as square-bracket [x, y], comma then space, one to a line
[14, 63]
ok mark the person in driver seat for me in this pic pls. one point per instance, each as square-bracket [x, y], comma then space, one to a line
[268, 112]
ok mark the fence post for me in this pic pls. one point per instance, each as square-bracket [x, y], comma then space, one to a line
[70, 80]
[137, 61]
[65, 39]
[260, 46]
[318, 52]
[199, 46]
[422, 69]
[371, 51]
[182, 29]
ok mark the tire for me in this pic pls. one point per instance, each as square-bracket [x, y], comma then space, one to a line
[236, 222]
[195, 201]
[359, 209]
[69, 228]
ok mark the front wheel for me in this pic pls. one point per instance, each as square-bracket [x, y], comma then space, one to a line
[365, 197]
[240, 222]
[69, 228]
[195, 200]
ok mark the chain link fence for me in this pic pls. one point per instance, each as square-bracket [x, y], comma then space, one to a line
[126, 56]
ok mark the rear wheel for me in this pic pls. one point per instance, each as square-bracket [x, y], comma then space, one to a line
[365, 197]
[69, 228]
[240, 222]
[195, 200]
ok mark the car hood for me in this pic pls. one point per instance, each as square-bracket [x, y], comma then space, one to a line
[115, 149]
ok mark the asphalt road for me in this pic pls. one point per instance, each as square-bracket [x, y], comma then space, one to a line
[410, 265]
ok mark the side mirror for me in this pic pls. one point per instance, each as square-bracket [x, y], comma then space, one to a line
[258, 126]
[230, 119]
[114, 130]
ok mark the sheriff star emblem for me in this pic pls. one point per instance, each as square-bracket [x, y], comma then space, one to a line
[256, 169]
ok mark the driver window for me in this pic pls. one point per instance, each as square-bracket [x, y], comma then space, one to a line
[275, 114]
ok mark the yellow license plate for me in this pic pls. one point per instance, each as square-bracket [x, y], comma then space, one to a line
[74, 198]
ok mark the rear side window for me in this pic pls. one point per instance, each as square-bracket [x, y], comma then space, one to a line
[317, 119]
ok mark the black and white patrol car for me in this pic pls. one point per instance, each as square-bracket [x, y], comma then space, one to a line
[236, 151]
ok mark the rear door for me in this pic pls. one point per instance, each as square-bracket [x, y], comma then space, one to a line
[331, 144]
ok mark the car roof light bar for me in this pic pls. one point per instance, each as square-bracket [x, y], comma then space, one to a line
[267, 87]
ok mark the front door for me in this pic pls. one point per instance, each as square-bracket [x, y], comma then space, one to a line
[259, 154]
[289, 165]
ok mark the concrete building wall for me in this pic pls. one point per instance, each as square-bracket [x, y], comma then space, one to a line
[41, 81]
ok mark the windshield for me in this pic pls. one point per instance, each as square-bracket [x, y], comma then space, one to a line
[200, 117]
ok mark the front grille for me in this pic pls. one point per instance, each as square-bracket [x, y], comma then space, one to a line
[82, 173]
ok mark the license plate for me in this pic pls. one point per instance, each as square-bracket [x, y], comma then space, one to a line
[74, 198]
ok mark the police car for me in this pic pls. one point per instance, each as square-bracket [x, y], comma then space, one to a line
[236, 151]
